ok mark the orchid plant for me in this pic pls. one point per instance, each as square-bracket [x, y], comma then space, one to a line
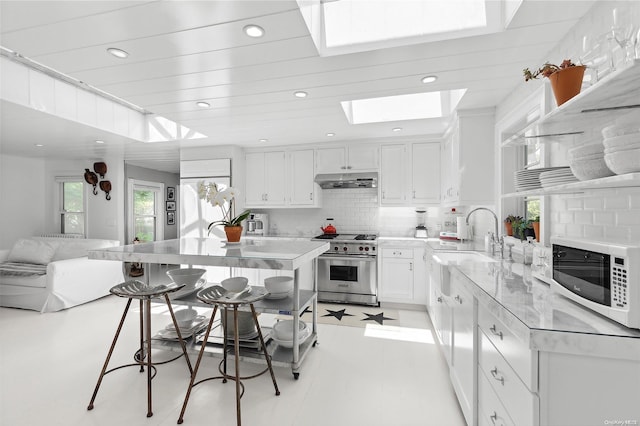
[546, 70]
[210, 192]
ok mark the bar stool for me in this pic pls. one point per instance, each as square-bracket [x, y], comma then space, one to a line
[135, 289]
[219, 298]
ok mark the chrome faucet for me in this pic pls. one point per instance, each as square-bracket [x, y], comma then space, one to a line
[495, 240]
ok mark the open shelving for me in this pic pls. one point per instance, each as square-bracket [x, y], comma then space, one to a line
[612, 182]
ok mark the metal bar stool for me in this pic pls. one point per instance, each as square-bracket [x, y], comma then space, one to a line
[219, 298]
[135, 289]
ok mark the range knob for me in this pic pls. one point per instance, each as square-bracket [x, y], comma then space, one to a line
[366, 249]
[344, 248]
[336, 248]
[361, 248]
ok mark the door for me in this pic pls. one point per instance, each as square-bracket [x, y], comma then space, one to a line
[363, 157]
[255, 188]
[196, 214]
[462, 350]
[301, 181]
[146, 210]
[392, 173]
[425, 169]
[274, 178]
[331, 160]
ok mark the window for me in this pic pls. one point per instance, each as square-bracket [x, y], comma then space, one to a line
[146, 208]
[532, 154]
[71, 205]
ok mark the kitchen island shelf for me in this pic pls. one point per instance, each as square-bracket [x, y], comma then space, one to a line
[628, 180]
[593, 107]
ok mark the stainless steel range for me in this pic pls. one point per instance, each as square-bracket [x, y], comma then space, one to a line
[348, 272]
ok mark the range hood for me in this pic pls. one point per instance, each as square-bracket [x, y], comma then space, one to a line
[347, 180]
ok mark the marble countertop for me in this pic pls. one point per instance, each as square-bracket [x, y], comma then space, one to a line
[553, 320]
[263, 253]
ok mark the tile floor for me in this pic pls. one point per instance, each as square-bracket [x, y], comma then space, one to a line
[376, 376]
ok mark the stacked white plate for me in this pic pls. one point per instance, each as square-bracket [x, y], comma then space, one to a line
[282, 333]
[169, 332]
[529, 179]
[557, 177]
[587, 161]
[622, 147]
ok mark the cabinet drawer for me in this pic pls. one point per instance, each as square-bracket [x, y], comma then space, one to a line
[516, 398]
[491, 412]
[513, 349]
[397, 253]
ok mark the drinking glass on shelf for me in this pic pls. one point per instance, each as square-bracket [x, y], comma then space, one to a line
[623, 32]
[596, 55]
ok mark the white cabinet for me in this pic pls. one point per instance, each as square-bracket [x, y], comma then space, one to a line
[403, 275]
[439, 309]
[265, 179]
[468, 159]
[410, 174]
[463, 359]
[345, 159]
[303, 191]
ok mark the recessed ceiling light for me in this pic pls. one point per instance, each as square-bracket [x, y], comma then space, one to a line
[263, 140]
[39, 145]
[100, 142]
[331, 134]
[253, 31]
[118, 53]
[397, 129]
[203, 104]
[300, 94]
[429, 79]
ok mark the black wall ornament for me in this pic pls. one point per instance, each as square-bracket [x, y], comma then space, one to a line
[105, 185]
[92, 179]
[100, 168]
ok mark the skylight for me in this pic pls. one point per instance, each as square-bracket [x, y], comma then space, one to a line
[413, 106]
[352, 22]
[347, 26]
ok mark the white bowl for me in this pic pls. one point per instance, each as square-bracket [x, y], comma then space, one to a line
[277, 285]
[185, 317]
[235, 284]
[302, 337]
[283, 330]
[586, 150]
[622, 141]
[620, 129]
[187, 276]
[627, 161]
[590, 168]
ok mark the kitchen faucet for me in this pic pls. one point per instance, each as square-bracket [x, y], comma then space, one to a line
[495, 240]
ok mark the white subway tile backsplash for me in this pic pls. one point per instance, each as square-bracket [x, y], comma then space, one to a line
[574, 203]
[594, 203]
[604, 218]
[594, 232]
[617, 233]
[628, 217]
[565, 217]
[574, 230]
[618, 202]
[583, 217]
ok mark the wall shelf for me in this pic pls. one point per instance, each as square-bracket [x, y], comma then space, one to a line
[620, 181]
[618, 91]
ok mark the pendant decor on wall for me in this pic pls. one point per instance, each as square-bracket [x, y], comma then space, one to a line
[92, 178]
[100, 168]
[105, 185]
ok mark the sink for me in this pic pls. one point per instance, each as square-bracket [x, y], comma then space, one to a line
[444, 259]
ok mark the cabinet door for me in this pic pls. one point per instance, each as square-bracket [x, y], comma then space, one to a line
[255, 182]
[331, 160]
[463, 365]
[425, 173]
[275, 178]
[397, 280]
[392, 175]
[302, 186]
[363, 157]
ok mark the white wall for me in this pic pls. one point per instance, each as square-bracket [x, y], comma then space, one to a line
[22, 197]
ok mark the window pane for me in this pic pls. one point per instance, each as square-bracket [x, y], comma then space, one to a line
[145, 228]
[532, 209]
[72, 196]
[143, 202]
[72, 223]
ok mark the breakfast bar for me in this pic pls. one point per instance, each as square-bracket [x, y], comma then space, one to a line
[280, 254]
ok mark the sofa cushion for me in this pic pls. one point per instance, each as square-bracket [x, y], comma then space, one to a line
[74, 248]
[31, 251]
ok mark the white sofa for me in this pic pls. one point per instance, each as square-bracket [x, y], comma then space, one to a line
[70, 277]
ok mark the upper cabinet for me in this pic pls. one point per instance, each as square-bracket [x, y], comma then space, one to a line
[346, 159]
[266, 179]
[410, 174]
[281, 179]
[468, 159]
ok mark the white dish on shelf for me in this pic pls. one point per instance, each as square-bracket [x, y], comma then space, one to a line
[235, 284]
[278, 296]
[185, 291]
[302, 337]
[197, 322]
[623, 162]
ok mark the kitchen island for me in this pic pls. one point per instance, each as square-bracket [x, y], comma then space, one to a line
[283, 254]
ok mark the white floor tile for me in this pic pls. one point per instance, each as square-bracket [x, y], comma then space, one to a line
[49, 364]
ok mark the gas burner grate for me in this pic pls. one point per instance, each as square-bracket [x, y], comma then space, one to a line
[369, 237]
[326, 236]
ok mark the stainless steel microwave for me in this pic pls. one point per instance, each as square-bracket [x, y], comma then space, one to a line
[601, 276]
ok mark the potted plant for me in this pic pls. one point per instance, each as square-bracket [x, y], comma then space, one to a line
[566, 78]
[535, 223]
[225, 200]
[508, 223]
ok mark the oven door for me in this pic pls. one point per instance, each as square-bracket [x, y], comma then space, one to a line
[583, 272]
[351, 279]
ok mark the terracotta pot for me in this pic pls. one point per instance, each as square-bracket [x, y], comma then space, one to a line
[536, 229]
[233, 233]
[508, 226]
[566, 83]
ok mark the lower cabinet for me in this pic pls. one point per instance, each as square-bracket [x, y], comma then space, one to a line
[402, 275]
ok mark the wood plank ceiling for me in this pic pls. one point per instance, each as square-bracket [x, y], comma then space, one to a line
[182, 52]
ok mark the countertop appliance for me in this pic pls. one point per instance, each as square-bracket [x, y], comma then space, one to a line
[348, 272]
[258, 224]
[421, 229]
[602, 276]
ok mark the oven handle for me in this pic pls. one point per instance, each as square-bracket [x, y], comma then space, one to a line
[347, 257]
